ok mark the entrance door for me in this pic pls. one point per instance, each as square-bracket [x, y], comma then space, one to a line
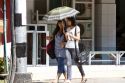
[36, 45]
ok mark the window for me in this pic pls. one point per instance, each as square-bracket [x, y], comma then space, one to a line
[85, 0]
[36, 45]
[85, 11]
[85, 20]
[44, 8]
[38, 5]
[86, 30]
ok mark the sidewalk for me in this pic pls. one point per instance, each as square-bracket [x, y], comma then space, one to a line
[92, 80]
[91, 71]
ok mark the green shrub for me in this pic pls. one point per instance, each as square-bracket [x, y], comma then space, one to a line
[1, 65]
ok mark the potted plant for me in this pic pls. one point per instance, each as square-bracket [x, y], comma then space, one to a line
[1, 68]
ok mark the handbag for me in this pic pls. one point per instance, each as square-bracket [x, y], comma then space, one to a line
[51, 49]
[83, 55]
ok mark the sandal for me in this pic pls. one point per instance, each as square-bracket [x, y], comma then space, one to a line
[54, 81]
[67, 81]
[83, 80]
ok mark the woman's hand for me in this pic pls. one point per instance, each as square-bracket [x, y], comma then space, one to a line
[49, 38]
[62, 44]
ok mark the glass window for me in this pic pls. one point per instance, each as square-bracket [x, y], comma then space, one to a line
[85, 0]
[58, 3]
[86, 44]
[40, 28]
[85, 30]
[67, 3]
[44, 8]
[51, 28]
[38, 5]
[85, 11]
[31, 28]
[29, 48]
[41, 58]
[54, 4]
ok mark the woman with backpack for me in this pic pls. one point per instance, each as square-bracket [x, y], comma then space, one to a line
[60, 52]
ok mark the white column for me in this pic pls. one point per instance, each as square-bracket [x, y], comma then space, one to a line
[105, 26]
[20, 19]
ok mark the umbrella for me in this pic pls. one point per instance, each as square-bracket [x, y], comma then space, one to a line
[60, 13]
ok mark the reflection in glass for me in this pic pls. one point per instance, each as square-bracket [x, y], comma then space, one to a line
[54, 3]
[29, 48]
[41, 8]
[85, 0]
[57, 3]
[31, 28]
[40, 28]
[51, 28]
[85, 30]
[81, 29]
[85, 11]
[41, 58]
[85, 44]
[66, 3]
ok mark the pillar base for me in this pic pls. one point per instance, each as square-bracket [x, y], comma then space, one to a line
[22, 78]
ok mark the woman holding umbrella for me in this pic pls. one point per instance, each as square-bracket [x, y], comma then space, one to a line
[60, 13]
[72, 36]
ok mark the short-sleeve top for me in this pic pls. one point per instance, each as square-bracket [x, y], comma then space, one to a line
[70, 42]
[59, 51]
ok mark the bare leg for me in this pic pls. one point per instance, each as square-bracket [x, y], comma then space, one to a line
[58, 75]
[65, 76]
[57, 78]
[83, 80]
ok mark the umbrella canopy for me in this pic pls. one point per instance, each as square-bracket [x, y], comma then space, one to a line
[60, 13]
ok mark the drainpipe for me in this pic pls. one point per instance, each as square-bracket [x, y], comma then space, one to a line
[5, 38]
[20, 19]
[13, 45]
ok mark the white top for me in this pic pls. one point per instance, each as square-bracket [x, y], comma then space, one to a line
[70, 42]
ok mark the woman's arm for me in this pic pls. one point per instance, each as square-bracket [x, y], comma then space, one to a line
[49, 37]
[76, 37]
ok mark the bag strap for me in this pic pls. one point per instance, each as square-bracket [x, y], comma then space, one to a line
[75, 42]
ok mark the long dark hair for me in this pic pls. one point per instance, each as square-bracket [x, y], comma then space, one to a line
[57, 29]
[73, 20]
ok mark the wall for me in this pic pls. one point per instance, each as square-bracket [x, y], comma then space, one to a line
[105, 25]
[8, 19]
[30, 9]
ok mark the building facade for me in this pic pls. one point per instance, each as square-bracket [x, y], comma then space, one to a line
[97, 20]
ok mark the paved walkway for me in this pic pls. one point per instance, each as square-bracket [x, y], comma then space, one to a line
[92, 80]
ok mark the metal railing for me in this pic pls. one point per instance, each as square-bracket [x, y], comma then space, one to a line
[117, 55]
